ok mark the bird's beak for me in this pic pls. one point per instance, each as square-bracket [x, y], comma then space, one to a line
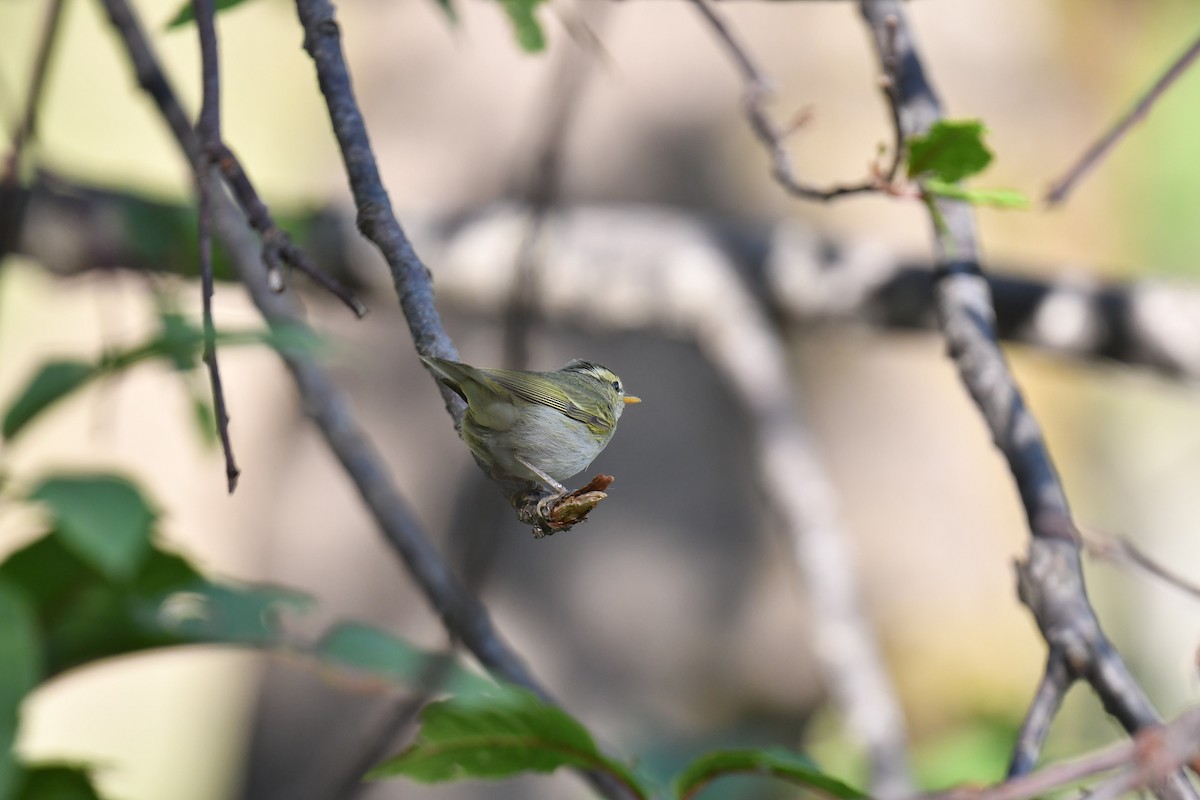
[631, 400]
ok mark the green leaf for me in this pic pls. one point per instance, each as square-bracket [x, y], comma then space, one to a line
[21, 657]
[774, 763]
[84, 614]
[497, 735]
[997, 198]
[57, 782]
[54, 381]
[525, 24]
[950, 151]
[229, 614]
[186, 14]
[103, 518]
[375, 653]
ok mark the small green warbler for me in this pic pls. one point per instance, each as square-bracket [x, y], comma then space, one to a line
[542, 426]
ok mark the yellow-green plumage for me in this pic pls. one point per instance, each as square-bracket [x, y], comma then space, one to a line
[543, 426]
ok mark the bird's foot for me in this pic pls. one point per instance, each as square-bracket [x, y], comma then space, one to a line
[558, 512]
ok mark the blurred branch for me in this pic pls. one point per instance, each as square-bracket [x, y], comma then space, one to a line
[1093, 155]
[1149, 756]
[802, 277]
[755, 95]
[1051, 579]
[26, 127]
[1120, 551]
[377, 222]
[25, 130]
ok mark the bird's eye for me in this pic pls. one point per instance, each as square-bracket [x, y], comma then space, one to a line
[616, 386]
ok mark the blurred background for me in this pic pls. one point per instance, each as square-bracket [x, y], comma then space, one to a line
[675, 620]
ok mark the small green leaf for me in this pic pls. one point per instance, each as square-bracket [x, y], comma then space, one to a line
[103, 518]
[774, 763]
[21, 657]
[186, 14]
[364, 649]
[525, 24]
[58, 782]
[497, 735]
[950, 151]
[54, 381]
[997, 198]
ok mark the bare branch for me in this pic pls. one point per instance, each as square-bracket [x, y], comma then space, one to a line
[1093, 155]
[1051, 579]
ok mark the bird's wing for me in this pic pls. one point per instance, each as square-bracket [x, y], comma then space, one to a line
[535, 387]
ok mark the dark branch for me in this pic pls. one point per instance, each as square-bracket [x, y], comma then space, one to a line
[1062, 187]
[208, 129]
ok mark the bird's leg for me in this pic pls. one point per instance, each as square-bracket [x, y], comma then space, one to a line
[553, 484]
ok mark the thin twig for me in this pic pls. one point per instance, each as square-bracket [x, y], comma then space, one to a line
[1062, 187]
[757, 92]
[1121, 551]
[1051, 580]
[890, 58]
[208, 128]
[26, 130]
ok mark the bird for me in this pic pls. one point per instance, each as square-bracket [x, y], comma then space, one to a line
[544, 427]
